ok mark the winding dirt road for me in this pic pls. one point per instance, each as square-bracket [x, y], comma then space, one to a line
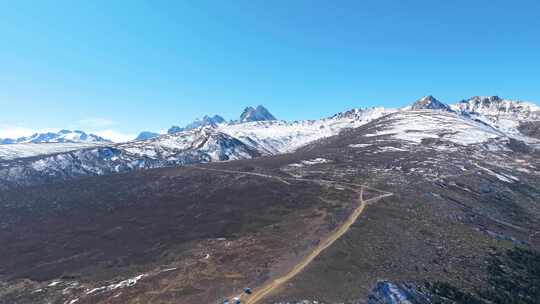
[261, 292]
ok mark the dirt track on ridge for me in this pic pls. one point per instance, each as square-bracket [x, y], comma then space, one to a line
[259, 293]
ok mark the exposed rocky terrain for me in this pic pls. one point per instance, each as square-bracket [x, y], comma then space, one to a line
[530, 128]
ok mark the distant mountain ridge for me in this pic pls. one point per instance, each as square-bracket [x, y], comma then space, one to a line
[197, 123]
[62, 136]
[250, 114]
[495, 106]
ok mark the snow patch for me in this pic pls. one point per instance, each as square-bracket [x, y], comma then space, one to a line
[507, 178]
[391, 149]
[13, 151]
[359, 145]
[122, 284]
[310, 162]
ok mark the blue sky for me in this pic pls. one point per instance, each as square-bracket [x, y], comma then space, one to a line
[125, 66]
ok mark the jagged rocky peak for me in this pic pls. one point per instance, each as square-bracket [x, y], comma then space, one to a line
[216, 119]
[348, 114]
[362, 114]
[486, 99]
[494, 105]
[429, 103]
[144, 135]
[259, 113]
[206, 120]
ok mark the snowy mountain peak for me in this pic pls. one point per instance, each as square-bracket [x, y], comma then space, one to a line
[205, 121]
[259, 113]
[217, 119]
[429, 103]
[62, 136]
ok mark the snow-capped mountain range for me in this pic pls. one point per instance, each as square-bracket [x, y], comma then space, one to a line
[250, 114]
[62, 136]
[257, 133]
[506, 115]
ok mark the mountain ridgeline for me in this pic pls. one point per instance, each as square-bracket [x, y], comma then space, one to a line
[249, 114]
[258, 133]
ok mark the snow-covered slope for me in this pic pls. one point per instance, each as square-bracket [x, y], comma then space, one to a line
[414, 126]
[13, 151]
[62, 136]
[205, 144]
[195, 146]
[273, 137]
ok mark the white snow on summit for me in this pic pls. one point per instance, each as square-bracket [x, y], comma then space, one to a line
[429, 103]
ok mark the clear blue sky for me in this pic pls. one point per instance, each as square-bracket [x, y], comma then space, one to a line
[144, 65]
